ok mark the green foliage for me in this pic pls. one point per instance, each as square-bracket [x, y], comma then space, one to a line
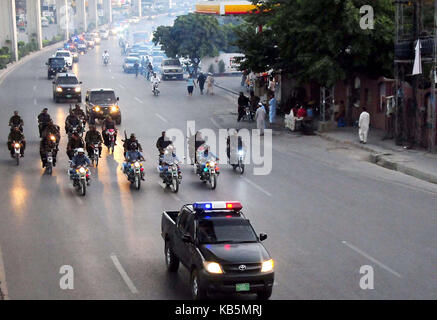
[211, 69]
[55, 39]
[221, 66]
[4, 60]
[318, 40]
[192, 35]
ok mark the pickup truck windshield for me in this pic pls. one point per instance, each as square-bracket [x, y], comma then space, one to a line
[103, 97]
[225, 231]
[172, 62]
[62, 54]
[67, 80]
[59, 62]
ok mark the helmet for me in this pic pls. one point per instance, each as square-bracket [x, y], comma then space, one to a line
[170, 148]
[80, 150]
[132, 135]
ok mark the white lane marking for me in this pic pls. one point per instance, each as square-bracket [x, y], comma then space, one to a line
[138, 99]
[257, 186]
[3, 284]
[121, 86]
[123, 274]
[161, 117]
[35, 102]
[215, 123]
[372, 259]
[34, 88]
[112, 77]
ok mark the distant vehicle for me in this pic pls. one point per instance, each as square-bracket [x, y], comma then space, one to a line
[100, 103]
[96, 38]
[104, 34]
[66, 85]
[134, 20]
[220, 249]
[141, 36]
[156, 63]
[171, 68]
[89, 40]
[55, 65]
[128, 65]
[75, 53]
[44, 22]
[66, 55]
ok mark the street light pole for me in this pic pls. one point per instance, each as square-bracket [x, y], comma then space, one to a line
[433, 75]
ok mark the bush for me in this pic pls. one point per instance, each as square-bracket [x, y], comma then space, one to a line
[4, 60]
[211, 68]
[221, 66]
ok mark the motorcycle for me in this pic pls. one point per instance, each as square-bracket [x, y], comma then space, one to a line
[135, 173]
[76, 129]
[111, 139]
[209, 173]
[172, 177]
[94, 157]
[240, 164]
[155, 89]
[49, 154]
[80, 177]
[17, 151]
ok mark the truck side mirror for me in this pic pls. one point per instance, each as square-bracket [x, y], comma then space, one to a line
[87, 99]
[80, 82]
[262, 236]
[47, 63]
[118, 98]
[187, 238]
[53, 82]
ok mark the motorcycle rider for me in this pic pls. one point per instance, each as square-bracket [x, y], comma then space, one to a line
[168, 158]
[78, 111]
[43, 120]
[149, 70]
[16, 135]
[16, 121]
[80, 159]
[161, 144]
[108, 124]
[234, 144]
[155, 81]
[131, 143]
[92, 137]
[132, 156]
[71, 121]
[105, 55]
[74, 143]
[204, 155]
[243, 102]
[45, 146]
[136, 68]
[54, 129]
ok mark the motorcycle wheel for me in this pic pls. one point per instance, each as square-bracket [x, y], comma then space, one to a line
[213, 181]
[112, 147]
[49, 169]
[241, 166]
[82, 187]
[175, 185]
[137, 183]
[17, 158]
[97, 161]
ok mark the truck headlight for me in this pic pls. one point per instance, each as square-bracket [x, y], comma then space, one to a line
[97, 108]
[212, 267]
[77, 89]
[114, 109]
[267, 266]
[58, 89]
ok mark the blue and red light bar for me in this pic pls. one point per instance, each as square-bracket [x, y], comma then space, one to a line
[218, 205]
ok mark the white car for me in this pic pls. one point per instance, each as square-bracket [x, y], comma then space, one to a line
[104, 34]
[68, 57]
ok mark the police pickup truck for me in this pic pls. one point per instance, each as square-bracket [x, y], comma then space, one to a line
[220, 249]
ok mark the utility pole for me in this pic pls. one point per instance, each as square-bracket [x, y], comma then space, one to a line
[433, 75]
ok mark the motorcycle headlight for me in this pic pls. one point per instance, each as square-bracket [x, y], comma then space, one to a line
[241, 153]
[114, 109]
[58, 89]
[97, 108]
[82, 170]
[212, 164]
[52, 138]
[137, 165]
[17, 145]
[267, 266]
[77, 89]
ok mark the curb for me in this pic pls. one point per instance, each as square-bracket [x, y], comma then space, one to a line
[14, 65]
[226, 89]
[377, 158]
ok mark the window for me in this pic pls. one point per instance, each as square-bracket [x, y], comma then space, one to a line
[225, 230]
[189, 227]
[183, 220]
[67, 80]
[103, 97]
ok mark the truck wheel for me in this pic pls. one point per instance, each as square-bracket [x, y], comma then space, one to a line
[264, 295]
[171, 260]
[197, 291]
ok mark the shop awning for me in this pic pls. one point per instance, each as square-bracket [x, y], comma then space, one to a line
[225, 7]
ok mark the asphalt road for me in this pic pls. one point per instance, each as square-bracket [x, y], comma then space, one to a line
[326, 209]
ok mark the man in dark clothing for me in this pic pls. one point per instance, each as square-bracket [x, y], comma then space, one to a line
[71, 121]
[45, 146]
[161, 144]
[136, 68]
[16, 136]
[108, 124]
[54, 129]
[78, 111]
[201, 81]
[16, 121]
[74, 142]
[149, 70]
[92, 137]
[127, 145]
[253, 101]
[243, 102]
[43, 120]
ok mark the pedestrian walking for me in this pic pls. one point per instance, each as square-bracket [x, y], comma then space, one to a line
[201, 81]
[260, 117]
[210, 84]
[243, 102]
[190, 85]
[363, 125]
[272, 109]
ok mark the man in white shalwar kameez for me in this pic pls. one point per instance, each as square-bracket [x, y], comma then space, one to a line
[363, 125]
[260, 117]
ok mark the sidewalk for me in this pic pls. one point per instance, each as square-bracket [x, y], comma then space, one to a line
[414, 162]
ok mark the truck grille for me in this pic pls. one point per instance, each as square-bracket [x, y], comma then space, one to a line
[235, 268]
